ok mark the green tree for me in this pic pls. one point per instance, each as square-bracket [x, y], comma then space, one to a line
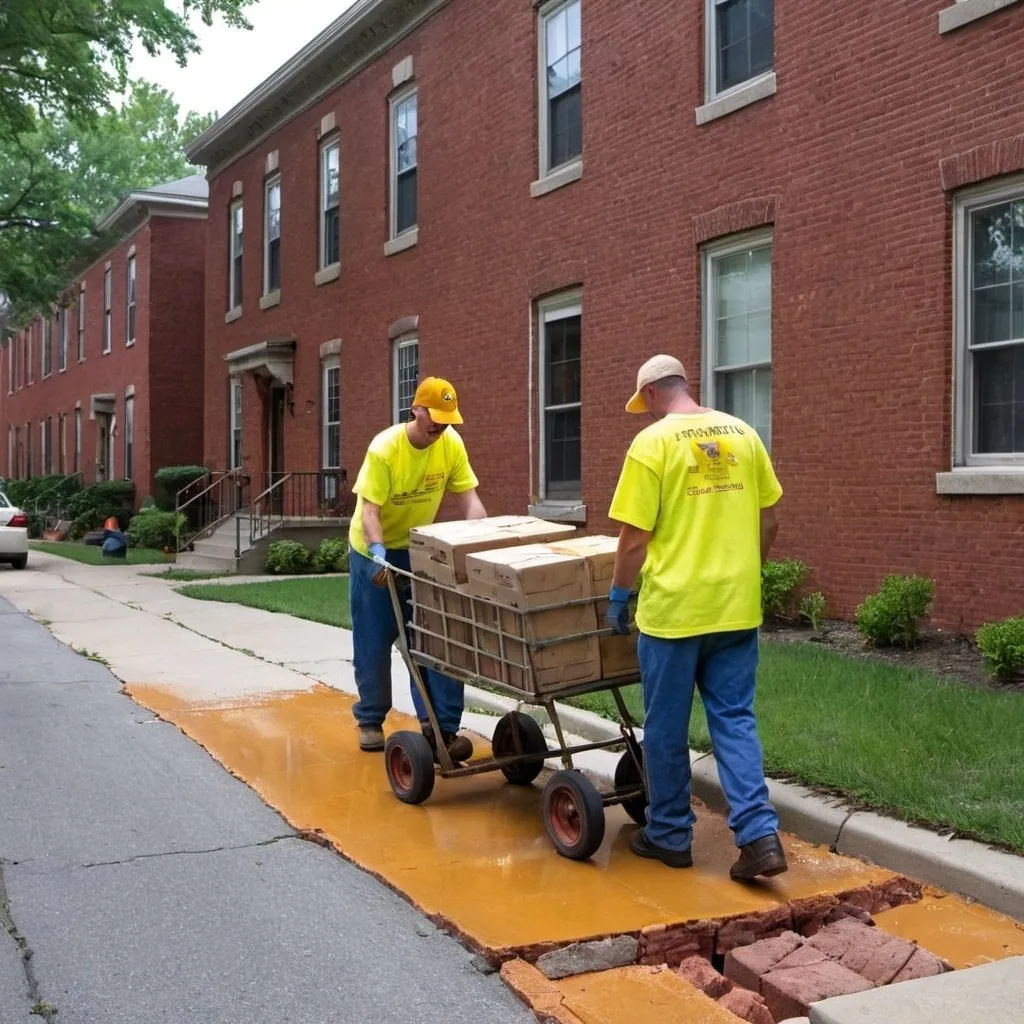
[58, 178]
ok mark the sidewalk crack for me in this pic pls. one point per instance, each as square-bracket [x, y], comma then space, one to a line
[834, 848]
[188, 853]
[40, 1007]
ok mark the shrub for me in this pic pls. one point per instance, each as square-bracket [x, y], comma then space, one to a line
[154, 529]
[288, 557]
[1002, 644]
[171, 479]
[812, 608]
[892, 616]
[780, 582]
[331, 556]
[147, 502]
[94, 505]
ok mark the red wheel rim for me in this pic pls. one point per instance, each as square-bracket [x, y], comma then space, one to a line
[400, 768]
[565, 818]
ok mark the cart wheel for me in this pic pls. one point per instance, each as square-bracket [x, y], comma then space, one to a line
[573, 815]
[410, 766]
[628, 776]
[532, 739]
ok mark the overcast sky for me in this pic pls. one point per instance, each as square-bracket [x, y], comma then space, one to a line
[233, 61]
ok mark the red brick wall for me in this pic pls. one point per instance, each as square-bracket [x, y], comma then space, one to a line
[844, 159]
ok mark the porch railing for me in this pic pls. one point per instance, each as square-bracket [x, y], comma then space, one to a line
[49, 505]
[302, 496]
[209, 501]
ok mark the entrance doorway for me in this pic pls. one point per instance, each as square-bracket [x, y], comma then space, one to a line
[275, 447]
[104, 447]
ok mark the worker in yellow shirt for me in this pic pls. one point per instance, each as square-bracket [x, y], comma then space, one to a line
[407, 471]
[695, 500]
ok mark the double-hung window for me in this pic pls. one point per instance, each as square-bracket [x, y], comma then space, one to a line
[330, 203]
[129, 436]
[740, 42]
[561, 405]
[235, 427]
[62, 356]
[331, 448]
[738, 330]
[405, 372]
[561, 99]
[272, 237]
[989, 296]
[106, 311]
[235, 241]
[81, 324]
[403, 162]
[78, 441]
[130, 303]
[62, 443]
[47, 350]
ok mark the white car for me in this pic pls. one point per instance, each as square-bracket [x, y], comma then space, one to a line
[13, 534]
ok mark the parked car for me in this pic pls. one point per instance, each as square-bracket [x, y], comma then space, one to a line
[13, 534]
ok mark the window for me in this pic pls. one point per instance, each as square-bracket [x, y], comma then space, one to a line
[47, 350]
[46, 431]
[129, 436]
[561, 111]
[331, 429]
[130, 340]
[27, 368]
[106, 311]
[81, 325]
[62, 364]
[561, 449]
[740, 42]
[405, 377]
[403, 163]
[235, 454]
[235, 258]
[990, 327]
[78, 441]
[62, 443]
[272, 238]
[330, 204]
[738, 331]
[29, 470]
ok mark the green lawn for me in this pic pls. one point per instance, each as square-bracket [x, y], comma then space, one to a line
[90, 555]
[320, 598]
[184, 575]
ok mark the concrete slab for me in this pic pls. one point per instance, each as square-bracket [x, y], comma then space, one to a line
[990, 994]
[13, 984]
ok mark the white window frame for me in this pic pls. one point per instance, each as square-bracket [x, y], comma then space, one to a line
[62, 443]
[78, 441]
[559, 307]
[394, 103]
[62, 352]
[107, 325]
[327, 146]
[81, 324]
[129, 436]
[400, 414]
[236, 275]
[544, 14]
[130, 302]
[711, 90]
[236, 405]
[45, 448]
[270, 184]
[966, 203]
[46, 353]
[710, 255]
[330, 490]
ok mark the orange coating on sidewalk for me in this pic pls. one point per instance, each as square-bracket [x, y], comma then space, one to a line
[965, 934]
[476, 853]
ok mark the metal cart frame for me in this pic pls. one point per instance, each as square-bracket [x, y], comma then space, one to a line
[573, 808]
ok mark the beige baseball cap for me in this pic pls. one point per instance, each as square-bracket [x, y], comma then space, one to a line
[656, 368]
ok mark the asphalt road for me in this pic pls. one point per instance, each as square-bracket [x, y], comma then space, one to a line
[140, 882]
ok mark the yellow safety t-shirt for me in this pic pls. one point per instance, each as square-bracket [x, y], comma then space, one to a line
[408, 483]
[697, 482]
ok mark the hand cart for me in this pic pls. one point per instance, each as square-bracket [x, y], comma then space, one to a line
[450, 638]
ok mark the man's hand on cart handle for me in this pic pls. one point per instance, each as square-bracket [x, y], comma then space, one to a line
[379, 554]
[618, 610]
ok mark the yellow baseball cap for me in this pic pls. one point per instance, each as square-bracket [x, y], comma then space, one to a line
[655, 369]
[438, 397]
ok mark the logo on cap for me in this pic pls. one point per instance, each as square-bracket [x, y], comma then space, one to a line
[447, 397]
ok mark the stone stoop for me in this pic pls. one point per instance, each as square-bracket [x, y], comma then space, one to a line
[215, 553]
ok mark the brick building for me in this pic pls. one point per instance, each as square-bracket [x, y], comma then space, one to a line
[111, 385]
[818, 207]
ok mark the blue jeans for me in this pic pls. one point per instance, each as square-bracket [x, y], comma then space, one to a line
[724, 668]
[374, 631]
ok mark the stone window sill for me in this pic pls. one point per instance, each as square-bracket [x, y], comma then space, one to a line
[559, 511]
[270, 300]
[967, 481]
[130, 344]
[232, 315]
[963, 13]
[558, 178]
[404, 241]
[754, 91]
[328, 274]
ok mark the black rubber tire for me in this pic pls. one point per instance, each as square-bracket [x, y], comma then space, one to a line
[532, 740]
[409, 762]
[573, 815]
[20, 562]
[628, 775]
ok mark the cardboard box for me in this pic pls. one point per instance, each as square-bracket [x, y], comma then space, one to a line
[444, 614]
[618, 653]
[524, 579]
[439, 551]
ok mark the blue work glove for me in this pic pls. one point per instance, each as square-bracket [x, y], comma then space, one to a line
[379, 553]
[618, 610]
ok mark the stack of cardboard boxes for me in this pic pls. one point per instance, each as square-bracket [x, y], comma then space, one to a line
[517, 601]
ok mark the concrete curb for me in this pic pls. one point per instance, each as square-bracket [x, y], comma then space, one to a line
[992, 877]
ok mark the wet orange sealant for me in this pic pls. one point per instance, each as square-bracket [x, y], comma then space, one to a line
[476, 854]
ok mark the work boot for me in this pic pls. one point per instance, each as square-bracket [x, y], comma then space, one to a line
[643, 847]
[459, 747]
[371, 738]
[763, 856]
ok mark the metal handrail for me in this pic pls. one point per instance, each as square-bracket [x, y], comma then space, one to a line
[259, 524]
[217, 502]
[53, 498]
